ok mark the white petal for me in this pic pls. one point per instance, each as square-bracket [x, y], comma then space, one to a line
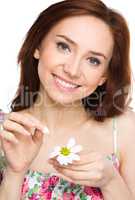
[72, 157]
[57, 148]
[56, 152]
[62, 160]
[69, 158]
[76, 149]
[76, 157]
[70, 161]
[71, 142]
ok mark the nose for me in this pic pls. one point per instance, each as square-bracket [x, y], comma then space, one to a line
[72, 67]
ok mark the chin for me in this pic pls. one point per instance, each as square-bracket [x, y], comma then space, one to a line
[62, 100]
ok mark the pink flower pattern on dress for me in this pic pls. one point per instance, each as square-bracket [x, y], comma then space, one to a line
[41, 186]
[67, 196]
[94, 192]
[25, 186]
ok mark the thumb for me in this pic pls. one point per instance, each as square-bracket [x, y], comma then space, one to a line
[38, 136]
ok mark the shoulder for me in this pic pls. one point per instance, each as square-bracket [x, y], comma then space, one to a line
[126, 121]
[126, 131]
[126, 142]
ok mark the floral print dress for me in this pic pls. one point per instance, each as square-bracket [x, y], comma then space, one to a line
[48, 186]
[41, 186]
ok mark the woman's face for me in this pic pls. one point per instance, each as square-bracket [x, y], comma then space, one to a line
[73, 58]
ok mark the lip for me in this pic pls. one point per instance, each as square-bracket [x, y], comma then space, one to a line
[66, 80]
[61, 87]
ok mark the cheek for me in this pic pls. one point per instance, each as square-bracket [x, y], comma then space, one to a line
[43, 71]
[92, 82]
[45, 65]
[49, 60]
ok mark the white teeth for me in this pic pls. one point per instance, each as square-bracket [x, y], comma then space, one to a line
[65, 84]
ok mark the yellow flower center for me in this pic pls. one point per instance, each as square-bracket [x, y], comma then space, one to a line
[65, 151]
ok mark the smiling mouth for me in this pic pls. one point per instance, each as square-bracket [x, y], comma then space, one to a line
[65, 84]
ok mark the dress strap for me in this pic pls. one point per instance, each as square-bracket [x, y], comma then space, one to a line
[2, 117]
[115, 137]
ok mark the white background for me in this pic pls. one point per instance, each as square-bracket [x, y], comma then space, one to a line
[16, 17]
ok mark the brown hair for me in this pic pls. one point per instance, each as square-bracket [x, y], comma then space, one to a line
[113, 101]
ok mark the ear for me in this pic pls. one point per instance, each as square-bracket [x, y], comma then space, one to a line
[102, 80]
[36, 54]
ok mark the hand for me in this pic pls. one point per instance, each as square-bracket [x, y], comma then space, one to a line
[93, 169]
[21, 140]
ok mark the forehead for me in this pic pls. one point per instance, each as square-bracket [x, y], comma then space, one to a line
[86, 31]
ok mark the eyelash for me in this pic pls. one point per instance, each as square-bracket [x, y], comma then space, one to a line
[63, 46]
[94, 61]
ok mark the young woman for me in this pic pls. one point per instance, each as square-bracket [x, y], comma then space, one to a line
[75, 79]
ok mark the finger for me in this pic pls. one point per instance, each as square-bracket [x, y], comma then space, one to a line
[9, 137]
[38, 136]
[15, 127]
[87, 157]
[28, 121]
[85, 167]
[79, 175]
[38, 124]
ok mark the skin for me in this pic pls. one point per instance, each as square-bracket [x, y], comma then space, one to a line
[74, 62]
[58, 109]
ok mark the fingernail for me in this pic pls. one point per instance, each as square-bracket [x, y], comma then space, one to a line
[45, 130]
[16, 141]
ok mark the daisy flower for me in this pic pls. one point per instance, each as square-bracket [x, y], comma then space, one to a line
[66, 154]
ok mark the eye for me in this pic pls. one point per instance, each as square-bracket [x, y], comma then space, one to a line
[94, 61]
[63, 46]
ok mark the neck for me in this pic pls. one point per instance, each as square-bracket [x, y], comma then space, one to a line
[57, 116]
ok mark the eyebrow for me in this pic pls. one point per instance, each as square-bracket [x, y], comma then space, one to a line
[74, 43]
